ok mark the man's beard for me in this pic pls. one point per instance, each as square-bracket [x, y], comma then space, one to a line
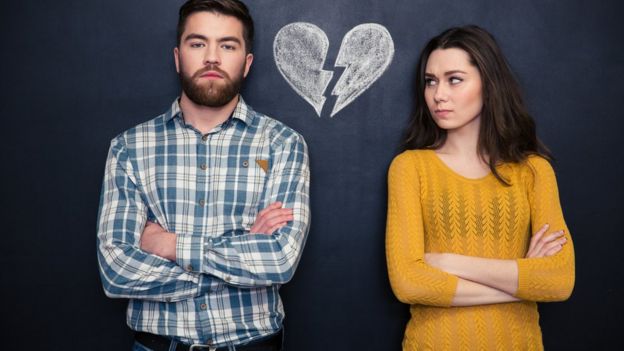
[212, 93]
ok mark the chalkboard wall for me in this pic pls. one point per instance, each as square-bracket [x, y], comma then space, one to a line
[76, 73]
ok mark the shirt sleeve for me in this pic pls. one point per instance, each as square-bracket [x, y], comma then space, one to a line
[126, 270]
[254, 259]
[412, 280]
[548, 278]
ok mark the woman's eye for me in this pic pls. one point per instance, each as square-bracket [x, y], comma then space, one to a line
[430, 82]
[455, 80]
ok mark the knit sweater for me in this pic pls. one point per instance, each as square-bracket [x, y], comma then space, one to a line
[431, 208]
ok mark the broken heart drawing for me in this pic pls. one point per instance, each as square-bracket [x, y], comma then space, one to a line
[300, 50]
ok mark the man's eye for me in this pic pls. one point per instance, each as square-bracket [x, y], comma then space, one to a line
[228, 47]
[197, 45]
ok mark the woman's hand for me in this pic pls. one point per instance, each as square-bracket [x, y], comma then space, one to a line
[543, 245]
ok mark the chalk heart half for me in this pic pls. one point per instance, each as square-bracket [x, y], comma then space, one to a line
[300, 50]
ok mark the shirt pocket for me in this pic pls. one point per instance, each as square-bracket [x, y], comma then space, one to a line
[247, 187]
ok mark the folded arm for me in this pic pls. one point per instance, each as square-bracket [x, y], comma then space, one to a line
[413, 281]
[497, 273]
[255, 258]
[546, 273]
[549, 278]
[125, 269]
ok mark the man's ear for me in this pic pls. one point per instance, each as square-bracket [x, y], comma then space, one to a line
[176, 58]
[248, 61]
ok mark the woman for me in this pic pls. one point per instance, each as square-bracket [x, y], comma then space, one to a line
[464, 199]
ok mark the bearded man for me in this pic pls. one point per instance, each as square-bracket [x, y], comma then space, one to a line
[204, 209]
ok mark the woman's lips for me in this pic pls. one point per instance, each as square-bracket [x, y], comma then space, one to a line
[442, 112]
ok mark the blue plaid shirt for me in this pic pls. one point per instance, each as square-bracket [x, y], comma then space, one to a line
[208, 189]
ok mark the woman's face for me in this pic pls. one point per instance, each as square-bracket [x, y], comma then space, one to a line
[453, 90]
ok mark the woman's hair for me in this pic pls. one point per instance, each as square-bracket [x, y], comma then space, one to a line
[507, 131]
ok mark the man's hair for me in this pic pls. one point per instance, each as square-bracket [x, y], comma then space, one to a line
[507, 131]
[232, 8]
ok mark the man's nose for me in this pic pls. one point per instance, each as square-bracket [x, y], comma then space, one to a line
[212, 56]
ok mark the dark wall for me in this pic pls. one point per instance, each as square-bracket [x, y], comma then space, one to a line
[76, 73]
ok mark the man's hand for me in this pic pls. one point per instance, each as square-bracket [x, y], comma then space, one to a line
[545, 245]
[158, 241]
[271, 219]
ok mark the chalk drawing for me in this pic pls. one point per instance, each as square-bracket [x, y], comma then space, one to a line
[300, 50]
[366, 52]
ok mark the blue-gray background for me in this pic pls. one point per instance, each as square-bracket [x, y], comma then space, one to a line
[74, 74]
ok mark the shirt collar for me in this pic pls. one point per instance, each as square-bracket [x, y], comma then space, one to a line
[242, 111]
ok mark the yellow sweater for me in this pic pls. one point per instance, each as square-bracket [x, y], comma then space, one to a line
[433, 209]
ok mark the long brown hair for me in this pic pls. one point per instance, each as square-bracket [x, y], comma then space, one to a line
[507, 132]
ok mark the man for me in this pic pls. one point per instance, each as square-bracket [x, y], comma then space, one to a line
[205, 209]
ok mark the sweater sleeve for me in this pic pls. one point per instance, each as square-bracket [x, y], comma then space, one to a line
[412, 280]
[548, 278]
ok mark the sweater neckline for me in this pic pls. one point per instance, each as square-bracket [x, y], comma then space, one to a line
[452, 172]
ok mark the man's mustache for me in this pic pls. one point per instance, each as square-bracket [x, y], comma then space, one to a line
[213, 68]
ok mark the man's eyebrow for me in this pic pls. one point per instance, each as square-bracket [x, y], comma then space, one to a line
[195, 36]
[234, 39]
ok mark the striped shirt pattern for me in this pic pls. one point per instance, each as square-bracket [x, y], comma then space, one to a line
[208, 189]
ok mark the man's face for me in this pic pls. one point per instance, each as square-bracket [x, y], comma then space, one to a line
[211, 58]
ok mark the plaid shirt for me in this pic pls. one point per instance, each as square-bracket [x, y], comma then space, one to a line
[208, 189]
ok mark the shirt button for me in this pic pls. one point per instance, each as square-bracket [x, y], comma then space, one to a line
[203, 167]
[227, 278]
[189, 268]
[202, 203]
[245, 163]
[203, 306]
[209, 342]
[205, 137]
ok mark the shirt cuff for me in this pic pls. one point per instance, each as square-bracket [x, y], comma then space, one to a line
[189, 252]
